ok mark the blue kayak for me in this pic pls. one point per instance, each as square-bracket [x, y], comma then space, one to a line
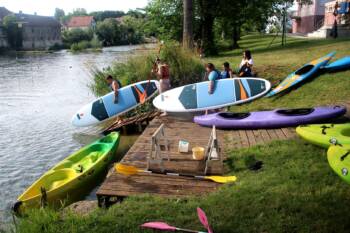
[308, 70]
[338, 65]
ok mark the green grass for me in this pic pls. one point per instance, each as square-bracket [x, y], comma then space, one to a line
[295, 191]
[276, 62]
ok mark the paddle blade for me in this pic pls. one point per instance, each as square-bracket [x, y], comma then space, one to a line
[203, 219]
[222, 179]
[125, 169]
[159, 226]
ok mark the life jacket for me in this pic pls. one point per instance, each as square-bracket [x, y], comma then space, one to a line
[164, 71]
[219, 75]
[225, 74]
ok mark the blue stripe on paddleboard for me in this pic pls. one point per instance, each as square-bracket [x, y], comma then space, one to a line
[246, 87]
[223, 94]
[234, 91]
[140, 87]
[126, 100]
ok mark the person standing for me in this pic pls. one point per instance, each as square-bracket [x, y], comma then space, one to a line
[162, 71]
[114, 85]
[213, 75]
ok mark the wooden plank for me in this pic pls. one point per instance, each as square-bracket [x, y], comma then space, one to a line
[244, 138]
[251, 137]
[280, 134]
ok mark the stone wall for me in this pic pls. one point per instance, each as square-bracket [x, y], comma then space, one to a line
[3, 39]
[40, 37]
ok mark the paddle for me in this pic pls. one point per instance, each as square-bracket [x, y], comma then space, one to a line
[203, 219]
[162, 226]
[131, 170]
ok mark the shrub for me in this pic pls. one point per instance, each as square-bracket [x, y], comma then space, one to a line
[185, 68]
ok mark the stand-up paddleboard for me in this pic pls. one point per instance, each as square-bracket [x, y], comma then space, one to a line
[325, 135]
[270, 119]
[104, 108]
[339, 160]
[301, 74]
[195, 97]
[338, 65]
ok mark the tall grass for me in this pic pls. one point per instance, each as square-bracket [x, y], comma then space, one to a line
[185, 68]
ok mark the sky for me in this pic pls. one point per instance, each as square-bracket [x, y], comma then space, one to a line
[47, 7]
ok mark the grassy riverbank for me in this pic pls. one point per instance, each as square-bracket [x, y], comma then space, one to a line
[296, 191]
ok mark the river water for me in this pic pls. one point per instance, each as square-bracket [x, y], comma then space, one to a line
[39, 93]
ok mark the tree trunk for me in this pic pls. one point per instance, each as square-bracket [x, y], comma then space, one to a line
[208, 14]
[188, 24]
[235, 36]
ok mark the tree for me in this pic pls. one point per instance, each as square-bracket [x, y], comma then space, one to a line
[13, 31]
[208, 11]
[187, 38]
[164, 19]
[102, 15]
[59, 14]
[109, 32]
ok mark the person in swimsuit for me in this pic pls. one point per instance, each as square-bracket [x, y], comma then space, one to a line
[114, 85]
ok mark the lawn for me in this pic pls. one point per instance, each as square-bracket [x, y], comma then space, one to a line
[295, 191]
[276, 62]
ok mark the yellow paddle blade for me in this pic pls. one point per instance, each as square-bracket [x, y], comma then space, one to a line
[221, 179]
[126, 170]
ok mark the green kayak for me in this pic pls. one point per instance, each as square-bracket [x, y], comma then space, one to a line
[70, 175]
[325, 135]
[339, 160]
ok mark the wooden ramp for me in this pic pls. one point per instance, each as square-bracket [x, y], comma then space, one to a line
[119, 186]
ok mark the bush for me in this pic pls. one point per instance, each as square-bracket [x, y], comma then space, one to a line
[95, 43]
[185, 68]
[76, 35]
[82, 45]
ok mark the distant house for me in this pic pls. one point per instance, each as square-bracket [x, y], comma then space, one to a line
[39, 32]
[81, 22]
[309, 17]
[316, 19]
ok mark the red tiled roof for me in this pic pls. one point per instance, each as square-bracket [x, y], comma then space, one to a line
[80, 21]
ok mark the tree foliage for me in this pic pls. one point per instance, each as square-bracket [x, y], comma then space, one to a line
[213, 20]
[59, 14]
[13, 31]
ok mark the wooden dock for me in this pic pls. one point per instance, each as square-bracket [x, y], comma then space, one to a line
[119, 186]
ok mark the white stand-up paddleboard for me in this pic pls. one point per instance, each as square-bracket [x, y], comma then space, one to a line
[195, 97]
[129, 97]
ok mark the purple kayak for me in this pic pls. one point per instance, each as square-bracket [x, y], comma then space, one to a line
[270, 119]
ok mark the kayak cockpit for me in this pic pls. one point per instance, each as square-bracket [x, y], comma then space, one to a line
[234, 116]
[50, 181]
[304, 70]
[295, 112]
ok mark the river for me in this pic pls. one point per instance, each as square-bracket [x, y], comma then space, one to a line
[39, 93]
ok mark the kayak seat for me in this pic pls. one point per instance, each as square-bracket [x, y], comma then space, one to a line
[305, 69]
[65, 164]
[107, 139]
[57, 178]
[234, 116]
[346, 132]
[295, 112]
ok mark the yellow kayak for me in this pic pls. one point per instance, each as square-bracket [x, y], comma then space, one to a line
[325, 135]
[70, 175]
[339, 160]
